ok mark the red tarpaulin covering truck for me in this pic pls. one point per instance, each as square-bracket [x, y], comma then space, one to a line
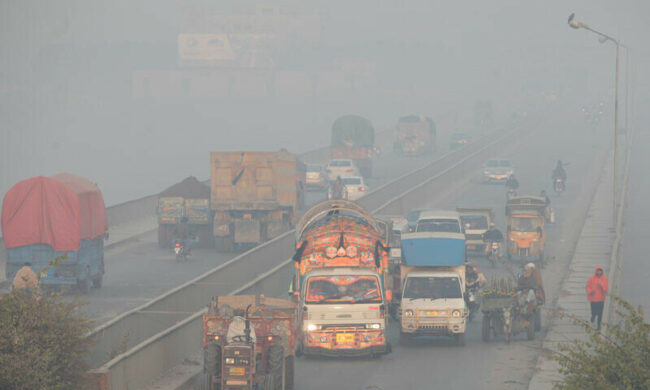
[59, 217]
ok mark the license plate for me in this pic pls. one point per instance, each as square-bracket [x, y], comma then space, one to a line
[345, 338]
[434, 312]
[237, 371]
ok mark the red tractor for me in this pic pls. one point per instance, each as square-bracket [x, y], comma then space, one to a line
[249, 343]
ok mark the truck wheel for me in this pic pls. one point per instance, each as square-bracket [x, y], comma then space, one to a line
[530, 332]
[485, 331]
[538, 320]
[97, 282]
[275, 367]
[212, 364]
[224, 244]
[163, 240]
[460, 339]
[404, 338]
[289, 369]
[506, 336]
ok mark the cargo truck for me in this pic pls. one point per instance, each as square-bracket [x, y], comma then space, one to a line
[254, 196]
[433, 286]
[190, 198]
[475, 222]
[341, 263]
[62, 218]
[415, 136]
[353, 137]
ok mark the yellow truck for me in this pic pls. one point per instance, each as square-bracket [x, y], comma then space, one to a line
[254, 196]
[526, 236]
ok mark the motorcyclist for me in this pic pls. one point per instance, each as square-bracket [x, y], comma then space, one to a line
[182, 233]
[337, 188]
[542, 194]
[512, 183]
[474, 278]
[493, 235]
[559, 173]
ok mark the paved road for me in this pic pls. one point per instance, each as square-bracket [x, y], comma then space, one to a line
[140, 271]
[436, 362]
[635, 272]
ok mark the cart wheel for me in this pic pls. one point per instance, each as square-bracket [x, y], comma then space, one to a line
[507, 337]
[275, 367]
[460, 339]
[404, 338]
[530, 332]
[485, 334]
[289, 369]
[538, 320]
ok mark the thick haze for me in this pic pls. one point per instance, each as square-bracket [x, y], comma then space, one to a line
[70, 73]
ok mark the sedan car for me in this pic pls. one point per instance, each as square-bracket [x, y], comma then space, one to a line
[355, 188]
[316, 177]
[458, 140]
[341, 167]
[497, 170]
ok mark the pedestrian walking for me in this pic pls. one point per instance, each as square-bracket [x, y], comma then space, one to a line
[597, 287]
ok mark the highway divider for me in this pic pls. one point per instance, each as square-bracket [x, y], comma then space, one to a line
[150, 334]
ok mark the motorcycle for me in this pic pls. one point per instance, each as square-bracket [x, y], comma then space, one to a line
[179, 250]
[559, 185]
[511, 193]
[472, 301]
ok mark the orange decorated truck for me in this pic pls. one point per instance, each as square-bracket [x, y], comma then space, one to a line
[526, 235]
[341, 268]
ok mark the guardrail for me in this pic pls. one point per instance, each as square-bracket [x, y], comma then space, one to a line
[164, 311]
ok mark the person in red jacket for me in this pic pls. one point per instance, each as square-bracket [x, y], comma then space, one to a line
[597, 287]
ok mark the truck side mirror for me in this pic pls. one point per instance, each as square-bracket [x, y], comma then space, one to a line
[389, 295]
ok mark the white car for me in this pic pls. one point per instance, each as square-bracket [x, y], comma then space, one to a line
[341, 167]
[497, 170]
[355, 188]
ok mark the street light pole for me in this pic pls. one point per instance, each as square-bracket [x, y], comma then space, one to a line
[573, 23]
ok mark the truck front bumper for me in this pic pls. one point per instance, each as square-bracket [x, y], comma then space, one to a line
[433, 327]
[345, 342]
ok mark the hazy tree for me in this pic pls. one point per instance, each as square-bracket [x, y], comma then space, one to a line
[618, 358]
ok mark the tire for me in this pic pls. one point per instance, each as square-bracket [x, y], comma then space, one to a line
[275, 367]
[97, 282]
[404, 338]
[225, 244]
[538, 320]
[460, 339]
[506, 336]
[83, 285]
[212, 364]
[485, 330]
[289, 369]
[530, 332]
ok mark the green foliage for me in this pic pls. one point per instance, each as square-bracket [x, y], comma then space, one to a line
[42, 342]
[619, 358]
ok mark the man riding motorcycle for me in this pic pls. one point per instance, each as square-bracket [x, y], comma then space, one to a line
[559, 173]
[493, 235]
[512, 183]
[474, 280]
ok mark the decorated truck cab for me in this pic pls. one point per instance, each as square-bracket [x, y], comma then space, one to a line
[341, 262]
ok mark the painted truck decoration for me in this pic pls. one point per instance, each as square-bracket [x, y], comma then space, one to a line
[341, 263]
[63, 218]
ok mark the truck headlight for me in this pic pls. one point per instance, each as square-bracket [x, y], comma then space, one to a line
[455, 313]
[230, 360]
[373, 326]
[312, 327]
[408, 313]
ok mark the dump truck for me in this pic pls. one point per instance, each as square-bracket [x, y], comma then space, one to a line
[415, 136]
[249, 342]
[191, 199]
[254, 196]
[58, 226]
[353, 137]
[341, 265]
[433, 286]
[526, 237]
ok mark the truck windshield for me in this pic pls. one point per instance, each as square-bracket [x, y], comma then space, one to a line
[342, 288]
[432, 288]
[438, 225]
[474, 222]
[524, 224]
